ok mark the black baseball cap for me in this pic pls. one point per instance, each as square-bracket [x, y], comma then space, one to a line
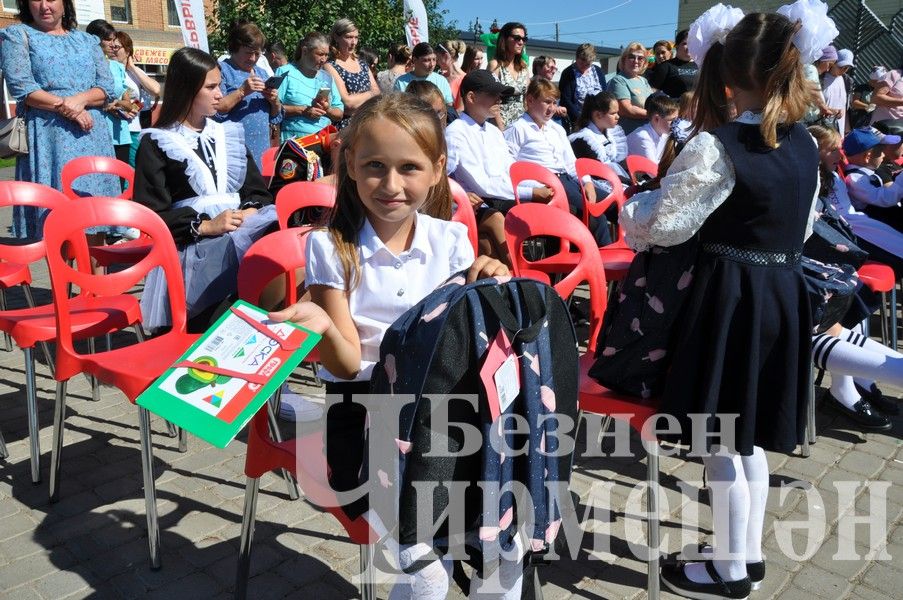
[482, 80]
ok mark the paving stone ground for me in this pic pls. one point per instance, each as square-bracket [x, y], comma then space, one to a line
[92, 542]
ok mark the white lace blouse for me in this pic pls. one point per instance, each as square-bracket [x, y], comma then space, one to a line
[699, 180]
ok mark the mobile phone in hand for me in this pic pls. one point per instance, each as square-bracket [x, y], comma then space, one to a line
[274, 82]
[322, 95]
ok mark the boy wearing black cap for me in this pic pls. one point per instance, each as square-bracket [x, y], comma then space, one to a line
[892, 152]
[478, 156]
[864, 149]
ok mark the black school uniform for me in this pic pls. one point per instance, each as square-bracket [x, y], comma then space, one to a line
[744, 341]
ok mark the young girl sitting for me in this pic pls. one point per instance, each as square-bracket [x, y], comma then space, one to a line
[379, 256]
[742, 347]
[598, 134]
[535, 138]
[198, 175]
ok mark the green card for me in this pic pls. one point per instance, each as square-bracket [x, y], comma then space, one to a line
[221, 382]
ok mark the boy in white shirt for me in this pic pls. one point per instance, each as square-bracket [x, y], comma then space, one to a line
[864, 149]
[649, 140]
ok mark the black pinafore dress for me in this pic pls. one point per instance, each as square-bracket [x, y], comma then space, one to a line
[743, 347]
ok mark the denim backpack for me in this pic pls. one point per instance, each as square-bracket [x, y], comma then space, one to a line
[439, 347]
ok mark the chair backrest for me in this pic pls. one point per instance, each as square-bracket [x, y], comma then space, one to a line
[268, 161]
[527, 171]
[64, 236]
[464, 214]
[594, 168]
[531, 220]
[275, 254]
[640, 164]
[302, 194]
[25, 193]
[88, 165]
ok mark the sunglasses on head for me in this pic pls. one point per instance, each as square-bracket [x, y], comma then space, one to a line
[519, 38]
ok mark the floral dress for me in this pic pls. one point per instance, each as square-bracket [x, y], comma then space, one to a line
[62, 65]
[355, 83]
[513, 106]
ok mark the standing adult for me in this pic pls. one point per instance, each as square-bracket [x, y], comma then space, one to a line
[630, 87]
[579, 80]
[677, 75]
[888, 97]
[473, 58]
[117, 113]
[60, 80]
[447, 58]
[834, 87]
[353, 77]
[276, 55]
[399, 60]
[308, 94]
[144, 88]
[510, 68]
[246, 99]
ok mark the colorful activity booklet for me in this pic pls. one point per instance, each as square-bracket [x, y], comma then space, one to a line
[228, 374]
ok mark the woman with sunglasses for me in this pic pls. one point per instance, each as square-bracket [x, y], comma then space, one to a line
[510, 67]
[630, 88]
[246, 99]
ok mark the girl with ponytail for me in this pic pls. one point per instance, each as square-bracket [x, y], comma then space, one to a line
[744, 187]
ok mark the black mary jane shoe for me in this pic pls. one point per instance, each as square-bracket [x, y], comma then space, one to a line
[885, 404]
[675, 579]
[862, 413]
[755, 570]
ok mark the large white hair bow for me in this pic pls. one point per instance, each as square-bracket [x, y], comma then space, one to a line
[712, 26]
[817, 29]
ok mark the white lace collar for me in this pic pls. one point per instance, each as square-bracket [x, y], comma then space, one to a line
[749, 118]
[222, 144]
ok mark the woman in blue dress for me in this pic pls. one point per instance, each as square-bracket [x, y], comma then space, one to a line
[61, 80]
[246, 99]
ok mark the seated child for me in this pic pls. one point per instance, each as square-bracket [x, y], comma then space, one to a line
[865, 151]
[892, 152]
[535, 138]
[598, 135]
[649, 139]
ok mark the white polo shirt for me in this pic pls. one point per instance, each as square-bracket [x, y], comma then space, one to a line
[646, 141]
[389, 284]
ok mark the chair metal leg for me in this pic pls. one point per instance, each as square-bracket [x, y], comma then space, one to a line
[150, 492]
[893, 318]
[810, 412]
[31, 403]
[59, 417]
[249, 515]
[277, 435]
[172, 429]
[29, 299]
[652, 581]
[95, 385]
[183, 440]
[4, 453]
[368, 587]
[7, 341]
[882, 312]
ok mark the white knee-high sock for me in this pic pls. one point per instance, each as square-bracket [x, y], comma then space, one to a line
[844, 390]
[429, 583]
[730, 496]
[855, 355]
[755, 467]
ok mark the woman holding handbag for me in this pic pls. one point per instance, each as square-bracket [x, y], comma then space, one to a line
[61, 81]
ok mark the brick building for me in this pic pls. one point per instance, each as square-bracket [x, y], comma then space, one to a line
[152, 24]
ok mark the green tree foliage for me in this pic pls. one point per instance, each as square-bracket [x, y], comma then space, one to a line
[380, 21]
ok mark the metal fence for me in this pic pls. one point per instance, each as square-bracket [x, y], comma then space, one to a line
[872, 42]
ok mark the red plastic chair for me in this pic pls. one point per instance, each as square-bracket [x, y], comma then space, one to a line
[616, 256]
[274, 255]
[36, 325]
[640, 164]
[127, 252]
[880, 278]
[302, 194]
[132, 368]
[268, 161]
[532, 220]
[464, 214]
[527, 171]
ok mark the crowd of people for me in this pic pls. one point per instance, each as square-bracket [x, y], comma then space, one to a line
[757, 135]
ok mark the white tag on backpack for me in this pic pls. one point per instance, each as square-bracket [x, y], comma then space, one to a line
[507, 382]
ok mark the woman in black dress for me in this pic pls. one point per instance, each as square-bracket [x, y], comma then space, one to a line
[741, 352]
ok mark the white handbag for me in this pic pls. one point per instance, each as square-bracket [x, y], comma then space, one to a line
[13, 137]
